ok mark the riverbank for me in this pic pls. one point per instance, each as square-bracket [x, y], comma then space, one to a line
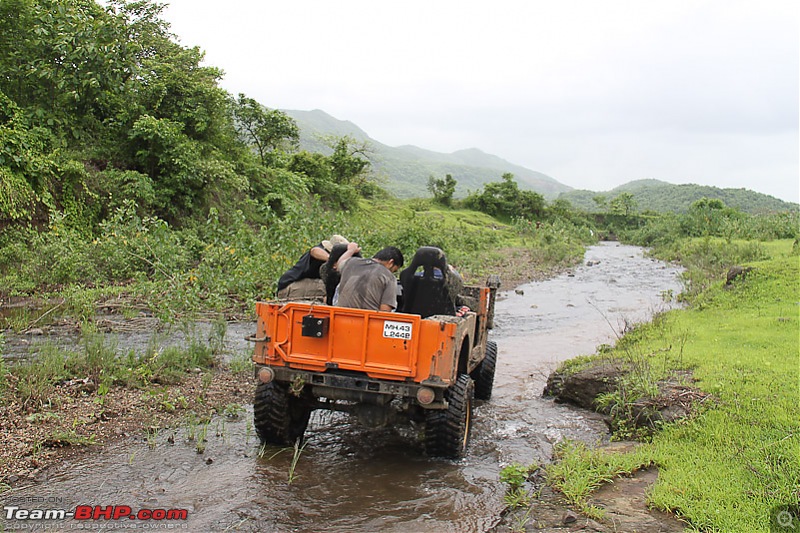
[732, 465]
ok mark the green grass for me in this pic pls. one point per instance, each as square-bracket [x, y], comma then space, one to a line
[728, 468]
[70, 438]
[225, 266]
[732, 464]
[580, 470]
[96, 366]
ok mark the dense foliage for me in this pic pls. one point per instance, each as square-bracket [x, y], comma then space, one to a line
[662, 197]
[99, 105]
[504, 199]
[141, 262]
[712, 218]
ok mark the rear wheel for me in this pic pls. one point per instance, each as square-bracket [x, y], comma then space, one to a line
[279, 417]
[447, 430]
[484, 374]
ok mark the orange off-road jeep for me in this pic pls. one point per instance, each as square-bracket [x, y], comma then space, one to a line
[424, 363]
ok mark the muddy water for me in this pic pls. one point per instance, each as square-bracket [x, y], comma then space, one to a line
[353, 479]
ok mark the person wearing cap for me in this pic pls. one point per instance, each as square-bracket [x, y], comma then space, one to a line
[302, 281]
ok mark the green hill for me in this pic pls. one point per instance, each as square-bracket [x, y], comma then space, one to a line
[660, 196]
[405, 169]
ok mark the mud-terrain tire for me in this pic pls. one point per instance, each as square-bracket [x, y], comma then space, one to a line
[484, 374]
[279, 417]
[447, 430]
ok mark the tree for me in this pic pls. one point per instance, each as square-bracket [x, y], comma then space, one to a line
[560, 208]
[442, 189]
[623, 204]
[339, 179]
[600, 201]
[707, 205]
[530, 205]
[103, 101]
[710, 216]
[171, 159]
[505, 199]
[266, 129]
[62, 61]
[349, 163]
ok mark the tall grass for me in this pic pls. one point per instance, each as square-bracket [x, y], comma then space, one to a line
[707, 260]
[95, 366]
[227, 263]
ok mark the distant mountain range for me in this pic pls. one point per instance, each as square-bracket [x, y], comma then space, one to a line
[660, 196]
[406, 169]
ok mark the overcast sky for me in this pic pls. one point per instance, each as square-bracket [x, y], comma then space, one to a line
[593, 93]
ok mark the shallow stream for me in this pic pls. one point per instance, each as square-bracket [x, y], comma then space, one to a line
[353, 479]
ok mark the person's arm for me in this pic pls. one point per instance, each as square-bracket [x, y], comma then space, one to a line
[319, 253]
[352, 249]
[386, 307]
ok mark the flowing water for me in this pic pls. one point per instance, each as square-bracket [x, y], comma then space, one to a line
[348, 478]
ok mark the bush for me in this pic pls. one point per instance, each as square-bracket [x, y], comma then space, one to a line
[505, 200]
[120, 186]
[707, 260]
[661, 230]
[16, 196]
[556, 242]
[172, 364]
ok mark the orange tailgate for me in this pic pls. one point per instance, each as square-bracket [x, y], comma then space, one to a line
[395, 346]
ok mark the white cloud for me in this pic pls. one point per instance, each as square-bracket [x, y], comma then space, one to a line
[589, 92]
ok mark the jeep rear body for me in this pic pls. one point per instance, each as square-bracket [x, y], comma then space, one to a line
[368, 356]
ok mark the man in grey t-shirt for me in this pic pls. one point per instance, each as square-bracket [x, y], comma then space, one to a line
[369, 283]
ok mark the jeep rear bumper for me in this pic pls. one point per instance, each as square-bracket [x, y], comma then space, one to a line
[358, 388]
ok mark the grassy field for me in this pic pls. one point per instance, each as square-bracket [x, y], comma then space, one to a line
[734, 463]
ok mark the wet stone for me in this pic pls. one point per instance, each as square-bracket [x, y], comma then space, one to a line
[582, 387]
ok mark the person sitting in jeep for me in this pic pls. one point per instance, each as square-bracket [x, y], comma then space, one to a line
[302, 281]
[369, 283]
[329, 272]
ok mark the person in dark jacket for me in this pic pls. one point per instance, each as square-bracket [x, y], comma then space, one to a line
[302, 281]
